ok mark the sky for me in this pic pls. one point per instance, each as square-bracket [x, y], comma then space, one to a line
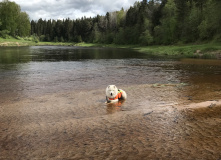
[73, 9]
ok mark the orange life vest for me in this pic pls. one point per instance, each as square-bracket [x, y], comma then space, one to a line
[118, 96]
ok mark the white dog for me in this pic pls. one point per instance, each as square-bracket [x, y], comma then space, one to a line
[113, 94]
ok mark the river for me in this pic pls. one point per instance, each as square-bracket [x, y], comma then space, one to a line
[53, 106]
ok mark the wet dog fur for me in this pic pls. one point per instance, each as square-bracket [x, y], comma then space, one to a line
[111, 93]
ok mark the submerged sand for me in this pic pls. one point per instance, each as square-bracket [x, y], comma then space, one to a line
[155, 122]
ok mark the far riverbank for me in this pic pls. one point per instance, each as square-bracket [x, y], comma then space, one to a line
[203, 50]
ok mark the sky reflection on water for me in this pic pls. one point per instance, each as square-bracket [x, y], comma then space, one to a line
[31, 71]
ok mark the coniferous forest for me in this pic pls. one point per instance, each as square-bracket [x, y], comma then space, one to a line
[145, 23]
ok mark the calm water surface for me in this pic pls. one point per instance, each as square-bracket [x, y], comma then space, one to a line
[32, 71]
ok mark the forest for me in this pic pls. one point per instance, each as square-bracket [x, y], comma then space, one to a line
[12, 21]
[145, 23]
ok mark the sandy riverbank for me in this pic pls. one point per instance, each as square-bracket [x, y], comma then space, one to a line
[153, 123]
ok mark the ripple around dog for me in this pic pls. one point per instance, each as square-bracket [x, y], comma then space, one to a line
[149, 125]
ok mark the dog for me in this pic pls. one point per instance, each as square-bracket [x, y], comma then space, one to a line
[114, 95]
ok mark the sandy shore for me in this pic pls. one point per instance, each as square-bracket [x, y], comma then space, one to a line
[155, 122]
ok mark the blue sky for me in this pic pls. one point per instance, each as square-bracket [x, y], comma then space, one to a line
[73, 9]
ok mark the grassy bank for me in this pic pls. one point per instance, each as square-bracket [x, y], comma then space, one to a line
[207, 50]
[10, 41]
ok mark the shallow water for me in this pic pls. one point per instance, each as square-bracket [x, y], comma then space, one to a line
[52, 105]
[32, 71]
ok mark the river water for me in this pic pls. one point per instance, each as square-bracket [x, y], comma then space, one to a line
[53, 105]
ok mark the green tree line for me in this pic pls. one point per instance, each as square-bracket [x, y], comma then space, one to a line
[12, 21]
[146, 23]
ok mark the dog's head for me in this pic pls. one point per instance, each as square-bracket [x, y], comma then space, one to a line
[111, 91]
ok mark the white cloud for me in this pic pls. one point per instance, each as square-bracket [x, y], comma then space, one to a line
[73, 9]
